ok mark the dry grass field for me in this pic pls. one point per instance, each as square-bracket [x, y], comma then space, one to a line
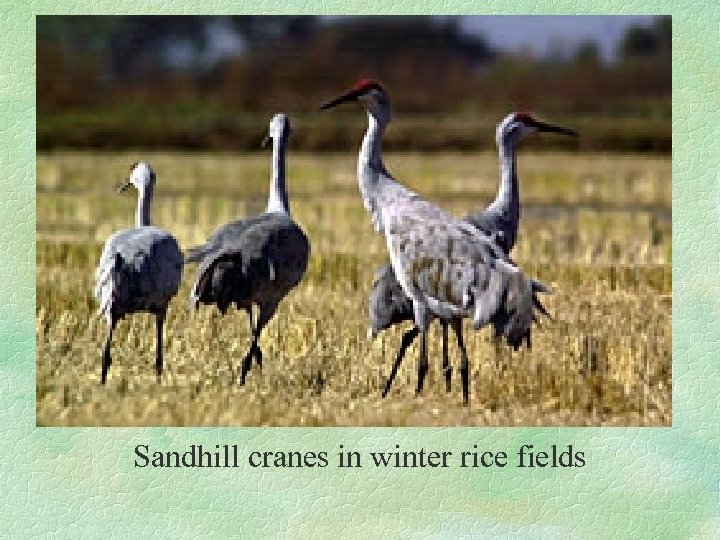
[595, 227]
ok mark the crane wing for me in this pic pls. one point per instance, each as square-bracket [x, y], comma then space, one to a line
[266, 252]
[139, 269]
[449, 265]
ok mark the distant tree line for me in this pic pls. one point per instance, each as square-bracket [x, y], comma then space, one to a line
[429, 62]
[97, 74]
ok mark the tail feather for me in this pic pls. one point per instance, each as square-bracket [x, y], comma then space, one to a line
[106, 301]
[198, 288]
[101, 278]
[220, 281]
[110, 285]
[488, 301]
[516, 312]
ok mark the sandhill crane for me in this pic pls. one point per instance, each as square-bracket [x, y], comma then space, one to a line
[257, 260]
[139, 270]
[388, 303]
[446, 267]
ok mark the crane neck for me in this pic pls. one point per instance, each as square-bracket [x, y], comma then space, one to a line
[371, 169]
[277, 198]
[372, 175]
[507, 200]
[142, 214]
[371, 149]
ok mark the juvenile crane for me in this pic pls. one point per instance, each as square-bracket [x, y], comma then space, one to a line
[388, 303]
[257, 260]
[448, 268]
[139, 270]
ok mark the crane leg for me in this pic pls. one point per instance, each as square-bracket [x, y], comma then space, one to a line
[266, 312]
[464, 366]
[247, 360]
[258, 356]
[446, 362]
[106, 358]
[254, 349]
[407, 339]
[423, 363]
[159, 323]
[246, 364]
[422, 318]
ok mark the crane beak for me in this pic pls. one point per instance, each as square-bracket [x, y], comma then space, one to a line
[352, 95]
[549, 128]
[266, 142]
[124, 186]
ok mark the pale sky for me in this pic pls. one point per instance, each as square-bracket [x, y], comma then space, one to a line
[513, 32]
[541, 33]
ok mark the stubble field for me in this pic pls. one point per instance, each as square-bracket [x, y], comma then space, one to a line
[597, 228]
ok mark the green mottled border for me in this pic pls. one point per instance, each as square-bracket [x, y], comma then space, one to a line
[639, 483]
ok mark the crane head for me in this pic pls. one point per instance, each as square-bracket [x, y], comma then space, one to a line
[141, 176]
[369, 91]
[520, 124]
[279, 129]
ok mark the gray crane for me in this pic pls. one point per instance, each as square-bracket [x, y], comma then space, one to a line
[388, 303]
[449, 269]
[256, 260]
[139, 269]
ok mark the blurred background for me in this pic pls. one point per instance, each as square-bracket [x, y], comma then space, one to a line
[210, 83]
[193, 97]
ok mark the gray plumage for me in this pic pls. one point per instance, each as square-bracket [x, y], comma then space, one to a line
[257, 260]
[502, 216]
[389, 305]
[501, 219]
[139, 269]
[447, 268]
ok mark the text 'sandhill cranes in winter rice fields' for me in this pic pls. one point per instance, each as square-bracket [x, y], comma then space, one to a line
[501, 219]
[446, 266]
[139, 269]
[256, 260]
